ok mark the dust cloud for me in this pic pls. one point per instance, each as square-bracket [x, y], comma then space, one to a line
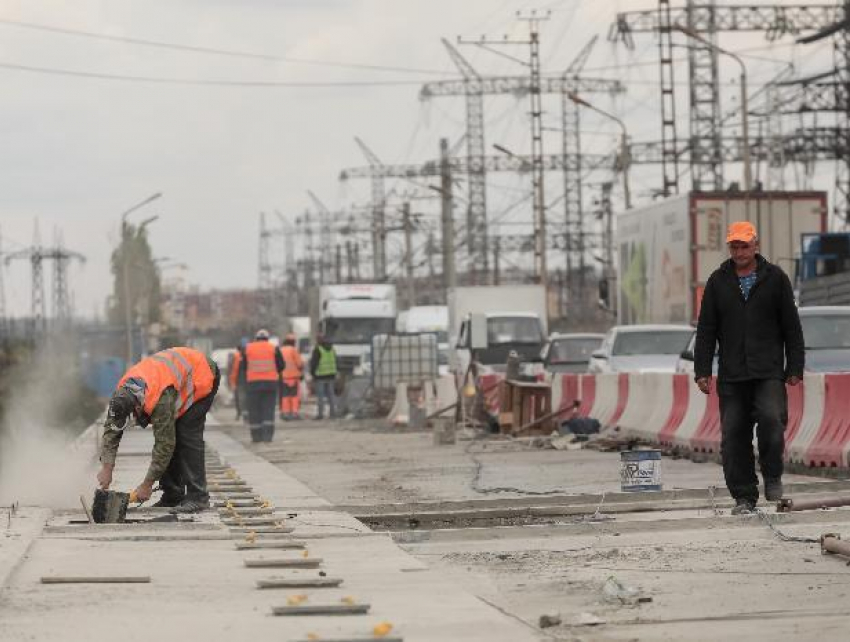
[39, 464]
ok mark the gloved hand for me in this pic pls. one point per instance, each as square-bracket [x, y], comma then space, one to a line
[104, 477]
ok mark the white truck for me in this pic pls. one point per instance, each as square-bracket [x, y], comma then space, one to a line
[667, 250]
[350, 315]
[515, 317]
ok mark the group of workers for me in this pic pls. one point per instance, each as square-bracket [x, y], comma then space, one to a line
[172, 391]
[747, 316]
[261, 373]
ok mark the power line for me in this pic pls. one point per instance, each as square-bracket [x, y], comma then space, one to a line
[232, 53]
[51, 71]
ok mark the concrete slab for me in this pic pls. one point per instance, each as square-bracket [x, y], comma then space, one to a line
[200, 588]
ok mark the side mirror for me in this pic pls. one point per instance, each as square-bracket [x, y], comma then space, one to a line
[687, 355]
[599, 354]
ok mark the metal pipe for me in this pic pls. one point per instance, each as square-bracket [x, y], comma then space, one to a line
[789, 505]
[831, 543]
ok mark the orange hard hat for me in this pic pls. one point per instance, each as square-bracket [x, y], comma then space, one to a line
[743, 231]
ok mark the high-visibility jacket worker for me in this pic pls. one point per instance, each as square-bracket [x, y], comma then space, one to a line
[290, 385]
[172, 391]
[323, 370]
[262, 363]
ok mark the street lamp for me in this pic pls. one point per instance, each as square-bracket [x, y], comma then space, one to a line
[625, 157]
[125, 271]
[745, 126]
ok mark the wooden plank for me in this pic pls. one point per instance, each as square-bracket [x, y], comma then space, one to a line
[287, 562]
[369, 638]
[295, 582]
[249, 512]
[262, 531]
[271, 520]
[104, 579]
[281, 544]
[322, 609]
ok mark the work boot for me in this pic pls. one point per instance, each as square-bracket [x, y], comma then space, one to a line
[773, 490]
[744, 507]
[165, 502]
[190, 506]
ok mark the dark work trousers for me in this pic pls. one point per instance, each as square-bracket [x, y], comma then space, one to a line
[262, 401]
[186, 475]
[743, 403]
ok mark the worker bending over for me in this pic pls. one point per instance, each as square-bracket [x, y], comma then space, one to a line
[171, 391]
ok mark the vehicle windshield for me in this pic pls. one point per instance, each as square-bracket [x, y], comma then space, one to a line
[573, 350]
[501, 330]
[651, 342]
[826, 331]
[341, 330]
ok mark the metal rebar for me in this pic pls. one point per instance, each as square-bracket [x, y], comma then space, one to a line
[831, 543]
[789, 505]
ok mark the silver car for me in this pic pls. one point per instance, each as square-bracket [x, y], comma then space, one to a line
[640, 348]
[826, 331]
[570, 352]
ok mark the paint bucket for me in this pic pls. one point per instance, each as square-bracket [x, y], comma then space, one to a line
[640, 470]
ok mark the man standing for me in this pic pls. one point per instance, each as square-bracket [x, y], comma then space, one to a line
[263, 364]
[323, 370]
[171, 390]
[748, 311]
[290, 384]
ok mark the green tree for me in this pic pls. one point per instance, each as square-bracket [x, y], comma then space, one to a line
[142, 278]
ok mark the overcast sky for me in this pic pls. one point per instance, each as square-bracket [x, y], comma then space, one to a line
[77, 150]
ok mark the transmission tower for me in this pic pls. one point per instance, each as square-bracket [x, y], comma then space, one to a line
[36, 255]
[475, 86]
[705, 143]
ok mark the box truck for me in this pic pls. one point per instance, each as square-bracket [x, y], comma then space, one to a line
[515, 317]
[350, 315]
[666, 251]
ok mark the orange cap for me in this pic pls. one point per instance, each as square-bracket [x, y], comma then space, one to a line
[741, 231]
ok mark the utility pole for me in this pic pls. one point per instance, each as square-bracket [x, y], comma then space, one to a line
[407, 224]
[447, 217]
[537, 147]
[4, 321]
[537, 164]
[379, 232]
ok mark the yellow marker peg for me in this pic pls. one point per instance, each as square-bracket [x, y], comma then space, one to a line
[306, 553]
[251, 537]
[313, 636]
[266, 504]
[228, 504]
[295, 600]
[348, 600]
[381, 630]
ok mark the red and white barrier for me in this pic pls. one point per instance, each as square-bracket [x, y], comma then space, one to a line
[669, 410]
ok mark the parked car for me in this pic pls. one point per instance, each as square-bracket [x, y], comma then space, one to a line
[640, 348]
[570, 352]
[685, 364]
[826, 331]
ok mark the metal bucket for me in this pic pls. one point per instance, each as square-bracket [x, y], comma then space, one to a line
[640, 470]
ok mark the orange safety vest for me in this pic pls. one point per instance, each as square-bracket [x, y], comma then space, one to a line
[262, 366]
[184, 369]
[233, 375]
[293, 361]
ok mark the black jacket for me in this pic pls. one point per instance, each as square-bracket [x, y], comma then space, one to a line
[760, 338]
